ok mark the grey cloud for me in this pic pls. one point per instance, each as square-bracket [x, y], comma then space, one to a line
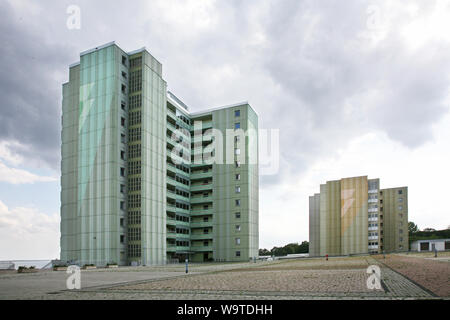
[30, 108]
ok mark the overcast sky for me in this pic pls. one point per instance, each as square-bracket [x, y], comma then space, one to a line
[355, 88]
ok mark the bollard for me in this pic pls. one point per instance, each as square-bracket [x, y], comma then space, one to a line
[186, 265]
[326, 256]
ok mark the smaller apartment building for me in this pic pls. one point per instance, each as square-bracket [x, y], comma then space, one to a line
[355, 216]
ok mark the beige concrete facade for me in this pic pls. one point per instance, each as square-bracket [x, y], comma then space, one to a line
[394, 219]
[346, 217]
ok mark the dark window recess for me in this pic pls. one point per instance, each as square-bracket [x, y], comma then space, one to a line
[124, 60]
[122, 172]
[122, 238]
[124, 88]
[122, 121]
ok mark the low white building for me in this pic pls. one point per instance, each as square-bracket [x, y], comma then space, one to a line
[430, 245]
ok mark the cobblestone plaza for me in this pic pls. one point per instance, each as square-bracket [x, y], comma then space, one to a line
[403, 276]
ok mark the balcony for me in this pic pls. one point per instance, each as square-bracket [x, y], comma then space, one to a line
[171, 221]
[201, 249]
[198, 200]
[201, 175]
[182, 236]
[207, 236]
[172, 128]
[173, 169]
[175, 183]
[201, 224]
[178, 249]
[202, 212]
[170, 208]
[172, 195]
[201, 187]
[202, 138]
[171, 114]
[180, 223]
[171, 235]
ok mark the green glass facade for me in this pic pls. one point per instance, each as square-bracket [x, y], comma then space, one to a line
[125, 198]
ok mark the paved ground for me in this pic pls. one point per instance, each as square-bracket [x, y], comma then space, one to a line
[424, 269]
[338, 278]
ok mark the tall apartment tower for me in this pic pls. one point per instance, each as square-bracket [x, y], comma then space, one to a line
[355, 216]
[141, 182]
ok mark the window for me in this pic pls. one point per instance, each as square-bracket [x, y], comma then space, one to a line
[124, 74]
[122, 172]
[400, 239]
[238, 189]
[400, 231]
[238, 176]
[238, 202]
[400, 199]
[123, 138]
[237, 151]
[238, 164]
[237, 125]
[238, 241]
[122, 188]
[237, 215]
[238, 253]
[122, 238]
[238, 227]
[205, 194]
[124, 60]
[205, 243]
[123, 105]
[237, 139]
[124, 88]
[205, 207]
[237, 113]
[400, 191]
[205, 231]
[205, 219]
[121, 222]
[122, 121]
[122, 155]
[400, 207]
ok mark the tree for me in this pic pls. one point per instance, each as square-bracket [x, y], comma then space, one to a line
[412, 228]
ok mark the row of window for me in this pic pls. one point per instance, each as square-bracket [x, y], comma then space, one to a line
[134, 134]
[135, 102]
[135, 117]
[136, 81]
[134, 200]
[134, 234]
[134, 217]
[134, 184]
[134, 167]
